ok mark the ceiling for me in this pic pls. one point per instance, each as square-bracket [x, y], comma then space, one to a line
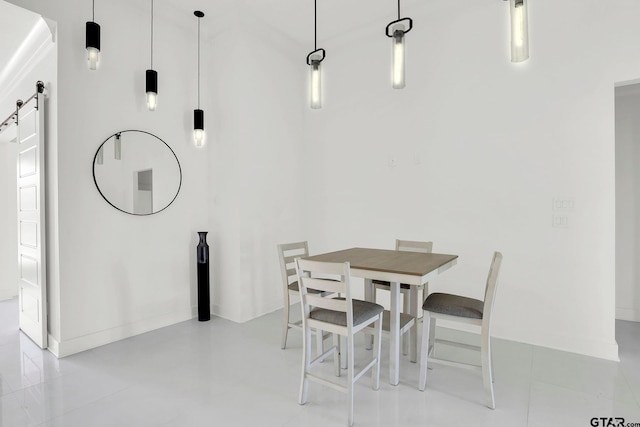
[16, 24]
[293, 18]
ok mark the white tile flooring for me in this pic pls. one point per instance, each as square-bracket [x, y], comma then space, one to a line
[220, 373]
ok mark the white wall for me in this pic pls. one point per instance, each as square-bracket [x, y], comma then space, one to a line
[119, 274]
[627, 202]
[481, 148]
[256, 134]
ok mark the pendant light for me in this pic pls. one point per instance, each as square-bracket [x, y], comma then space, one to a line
[117, 146]
[152, 76]
[198, 114]
[92, 40]
[519, 30]
[100, 156]
[314, 59]
[396, 30]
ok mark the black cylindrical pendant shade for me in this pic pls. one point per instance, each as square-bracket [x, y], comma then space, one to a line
[198, 119]
[93, 35]
[152, 81]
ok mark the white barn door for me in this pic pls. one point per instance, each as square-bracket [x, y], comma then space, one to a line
[31, 221]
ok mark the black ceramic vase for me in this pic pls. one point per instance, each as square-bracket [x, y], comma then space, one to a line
[202, 251]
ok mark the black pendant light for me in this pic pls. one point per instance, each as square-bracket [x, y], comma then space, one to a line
[198, 114]
[92, 40]
[152, 76]
[314, 59]
[396, 30]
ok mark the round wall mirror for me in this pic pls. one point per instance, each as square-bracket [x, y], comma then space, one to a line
[136, 172]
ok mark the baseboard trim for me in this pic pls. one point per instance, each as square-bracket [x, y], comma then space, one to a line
[260, 310]
[629, 314]
[53, 346]
[75, 345]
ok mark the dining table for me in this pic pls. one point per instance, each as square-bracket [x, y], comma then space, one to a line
[395, 267]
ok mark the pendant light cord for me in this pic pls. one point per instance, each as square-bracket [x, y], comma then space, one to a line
[93, 11]
[398, 9]
[315, 24]
[151, 34]
[198, 63]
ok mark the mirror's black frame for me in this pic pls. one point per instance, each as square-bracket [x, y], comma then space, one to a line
[95, 181]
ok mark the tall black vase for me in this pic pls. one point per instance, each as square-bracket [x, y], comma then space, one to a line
[202, 251]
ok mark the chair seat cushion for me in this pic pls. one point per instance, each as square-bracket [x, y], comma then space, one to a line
[454, 305]
[294, 287]
[387, 284]
[362, 311]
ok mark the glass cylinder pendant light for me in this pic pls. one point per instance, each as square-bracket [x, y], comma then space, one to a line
[315, 83]
[519, 31]
[396, 30]
[92, 40]
[151, 80]
[397, 75]
[117, 147]
[198, 114]
[100, 156]
[314, 61]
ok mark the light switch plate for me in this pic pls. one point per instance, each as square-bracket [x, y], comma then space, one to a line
[563, 204]
[560, 221]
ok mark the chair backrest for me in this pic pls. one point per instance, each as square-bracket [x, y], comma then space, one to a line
[288, 252]
[327, 277]
[490, 290]
[413, 246]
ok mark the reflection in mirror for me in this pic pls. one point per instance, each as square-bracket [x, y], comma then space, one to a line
[143, 196]
[137, 172]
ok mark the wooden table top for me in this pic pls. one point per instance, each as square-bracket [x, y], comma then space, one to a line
[399, 262]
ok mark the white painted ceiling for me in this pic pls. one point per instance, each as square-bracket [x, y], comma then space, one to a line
[15, 25]
[294, 18]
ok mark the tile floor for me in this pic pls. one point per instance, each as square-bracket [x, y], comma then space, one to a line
[220, 373]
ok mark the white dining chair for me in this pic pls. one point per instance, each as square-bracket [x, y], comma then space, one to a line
[287, 253]
[411, 295]
[340, 316]
[464, 310]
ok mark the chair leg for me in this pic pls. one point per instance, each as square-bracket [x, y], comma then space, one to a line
[369, 295]
[320, 342]
[421, 294]
[432, 335]
[424, 350]
[377, 345]
[405, 343]
[350, 372]
[285, 323]
[406, 340]
[306, 365]
[413, 309]
[373, 292]
[336, 354]
[344, 352]
[487, 368]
